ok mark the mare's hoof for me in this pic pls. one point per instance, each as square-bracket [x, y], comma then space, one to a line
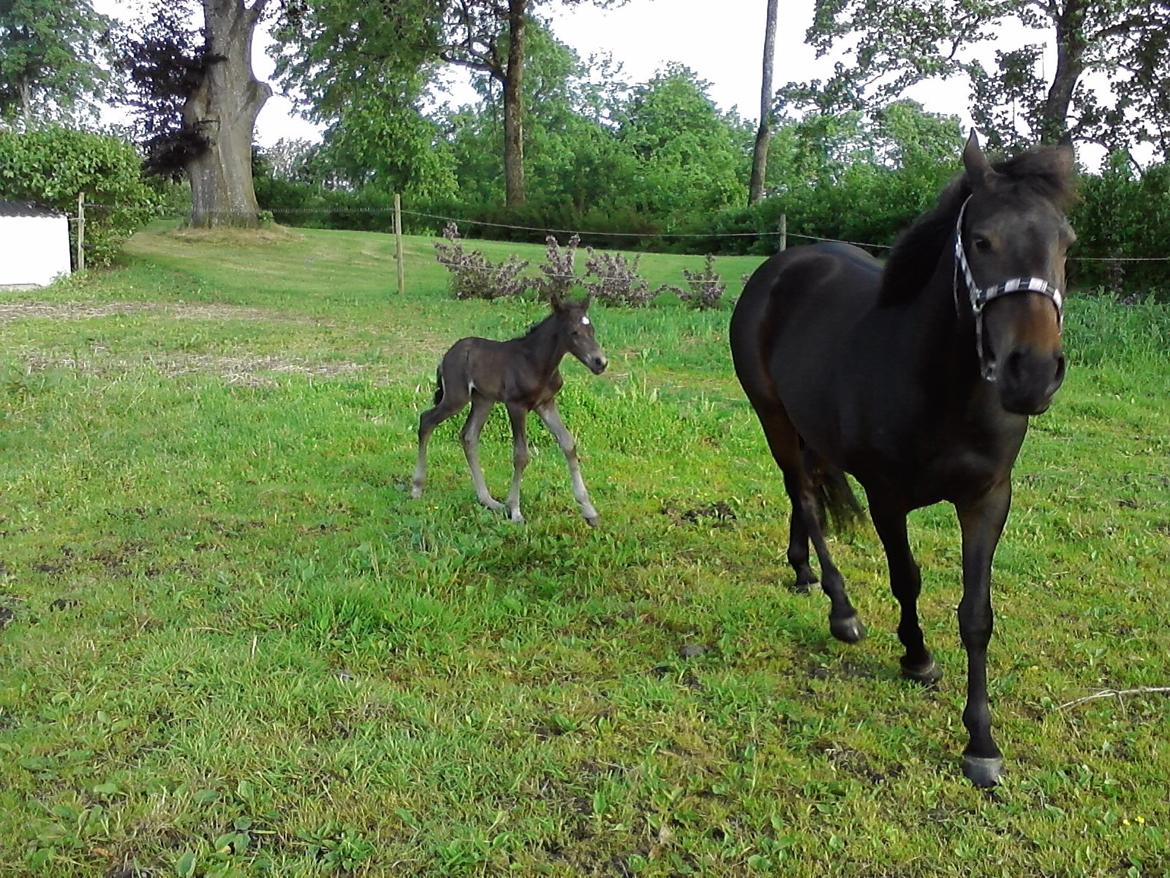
[516, 518]
[848, 630]
[804, 578]
[416, 492]
[927, 674]
[983, 771]
[595, 521]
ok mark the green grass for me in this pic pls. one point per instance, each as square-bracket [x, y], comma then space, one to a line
[231, 644]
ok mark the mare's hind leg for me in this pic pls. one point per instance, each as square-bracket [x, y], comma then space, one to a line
[844, 623]
[784, 442]
[781, 436]
[518, 415]
[453, 399]
[906, 583]
[481, 407]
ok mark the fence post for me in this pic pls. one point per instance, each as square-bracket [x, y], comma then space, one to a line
[783, 232]
[398, 243]
[81, 231]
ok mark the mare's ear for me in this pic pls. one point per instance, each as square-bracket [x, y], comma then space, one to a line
[979, 170]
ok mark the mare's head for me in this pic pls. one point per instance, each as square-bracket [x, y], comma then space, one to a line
[575, 331]
[1014, 236]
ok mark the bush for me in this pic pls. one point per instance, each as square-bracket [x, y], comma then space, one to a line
[704, 288]
[558, 274]
[52, 165]
[617, 280]
[473, 276]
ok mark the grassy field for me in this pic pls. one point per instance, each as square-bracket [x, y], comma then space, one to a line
[230, 644]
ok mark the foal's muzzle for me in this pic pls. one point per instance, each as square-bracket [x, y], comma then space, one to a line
[597, 364]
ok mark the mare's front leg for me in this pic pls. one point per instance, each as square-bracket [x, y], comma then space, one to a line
[552, 419]
[889, 518]
[982, 523]
[518, 415]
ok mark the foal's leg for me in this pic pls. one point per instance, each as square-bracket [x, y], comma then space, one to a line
[906, 584]
[453, 399]
[481, 407]
[518, 415]
[552, 419]
[982, 523]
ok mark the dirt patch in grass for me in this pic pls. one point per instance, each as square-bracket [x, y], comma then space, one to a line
[245, 371]
[263, 236]
[179, 311]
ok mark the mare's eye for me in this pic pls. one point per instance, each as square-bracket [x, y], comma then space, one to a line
[982, 244]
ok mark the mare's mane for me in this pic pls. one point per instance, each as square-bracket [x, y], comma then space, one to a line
[1045, 173]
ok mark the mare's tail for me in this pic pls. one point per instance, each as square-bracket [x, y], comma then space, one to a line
[438, 384]
[837, 505]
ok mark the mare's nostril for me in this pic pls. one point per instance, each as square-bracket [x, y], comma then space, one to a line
[1060, 367]
[1013, 367]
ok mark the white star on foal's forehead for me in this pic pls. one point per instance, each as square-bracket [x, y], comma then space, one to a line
[584, 321]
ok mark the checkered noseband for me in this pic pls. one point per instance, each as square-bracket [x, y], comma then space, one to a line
[980, 297]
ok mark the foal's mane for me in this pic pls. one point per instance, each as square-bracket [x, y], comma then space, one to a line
[1045, 172]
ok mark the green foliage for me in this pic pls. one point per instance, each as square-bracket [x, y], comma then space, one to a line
[52, 58]
[895, 45]
[53, 165]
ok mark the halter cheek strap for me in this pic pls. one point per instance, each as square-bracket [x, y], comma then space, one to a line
[979, 297]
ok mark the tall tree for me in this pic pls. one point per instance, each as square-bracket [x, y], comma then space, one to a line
[1110, 83]
[198, 100]
[52, 57]
[489, 37]
[764, 132]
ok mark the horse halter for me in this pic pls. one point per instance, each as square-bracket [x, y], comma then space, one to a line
[979, 297]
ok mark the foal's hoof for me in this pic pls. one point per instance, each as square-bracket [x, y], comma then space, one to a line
[983, 771]
[927, 674]
[595, 521]
[848, 630]
[516, 518]
[416, 492]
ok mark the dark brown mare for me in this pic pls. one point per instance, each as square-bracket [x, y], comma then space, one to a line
[917, 379]
[524, 374]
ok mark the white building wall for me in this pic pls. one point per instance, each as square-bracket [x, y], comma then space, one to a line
[34, 250]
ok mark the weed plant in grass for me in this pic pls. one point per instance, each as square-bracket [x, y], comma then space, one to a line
[230, 644]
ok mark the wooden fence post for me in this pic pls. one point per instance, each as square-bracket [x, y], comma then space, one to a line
[398, 243]
[783, 232]
[81, 231]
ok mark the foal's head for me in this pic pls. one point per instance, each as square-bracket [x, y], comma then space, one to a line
[1014, 234]
[575, 331]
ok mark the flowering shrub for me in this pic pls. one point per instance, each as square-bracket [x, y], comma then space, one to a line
[558, 273]
[473, 276]
[617, 281]
[704, 288]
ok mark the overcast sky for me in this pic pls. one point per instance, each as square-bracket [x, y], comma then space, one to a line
[722, 40]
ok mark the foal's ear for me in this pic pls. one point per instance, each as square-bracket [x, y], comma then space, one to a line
[554, 299]
[978, 168]
[588, 301]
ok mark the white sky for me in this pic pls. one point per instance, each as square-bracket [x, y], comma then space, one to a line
[723, 46]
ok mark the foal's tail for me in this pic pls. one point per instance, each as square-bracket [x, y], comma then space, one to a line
[837, 505]
[438, 384]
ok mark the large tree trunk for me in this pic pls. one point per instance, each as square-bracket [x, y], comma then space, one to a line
[1070, 64]
[514, 106]
[764, 133]
[223, 110]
